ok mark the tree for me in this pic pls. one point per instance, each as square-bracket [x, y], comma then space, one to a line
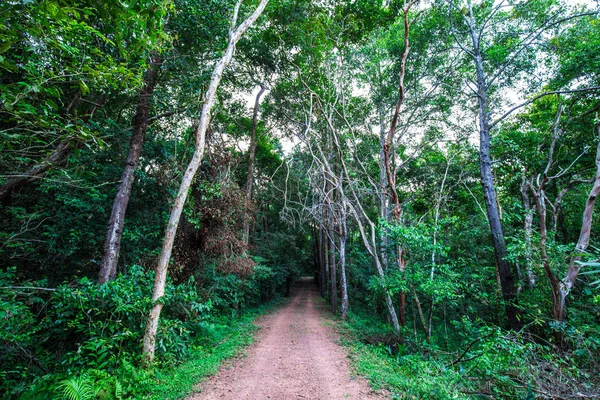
[251, 159]
[390, 172]
[108, 268]
[497, 63]
[235, 35]
[567, 283]
[59, 64]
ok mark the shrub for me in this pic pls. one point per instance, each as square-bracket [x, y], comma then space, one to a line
[90, 327]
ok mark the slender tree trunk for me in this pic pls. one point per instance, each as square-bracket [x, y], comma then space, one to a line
[149, 345]
[436, 219]
[370, 244]
[251, 157]
[420, 312]
[383, 198]
[327, 261]
[584, 239]
[332, 229]
[370, 239]
[401, 262]
[112, 244]
[333, 270]
[323, 280]
[528, 226]
[390, 172]
[343, 238]
[316, 259]
[554, 281]
[505, 273]
[430, 319]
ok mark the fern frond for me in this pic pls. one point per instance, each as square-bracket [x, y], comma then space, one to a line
[78, 388]
[118, 390]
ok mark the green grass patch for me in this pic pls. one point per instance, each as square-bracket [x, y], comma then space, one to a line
[475, 361]
[216, 341]
[179, 381]
[390, 366]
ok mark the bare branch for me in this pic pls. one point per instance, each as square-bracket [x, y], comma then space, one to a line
[539, 96]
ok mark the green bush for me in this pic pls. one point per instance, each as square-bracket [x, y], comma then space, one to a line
[89, 327]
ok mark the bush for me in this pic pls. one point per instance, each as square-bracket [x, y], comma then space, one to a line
[83, 339]
[91, 327]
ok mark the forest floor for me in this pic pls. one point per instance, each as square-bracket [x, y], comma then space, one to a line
[295, 356]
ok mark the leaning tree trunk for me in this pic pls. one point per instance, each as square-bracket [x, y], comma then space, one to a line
[370, 244]
[158, 292]
[370, 240]
[507, 282]
[540, 205]
[112, 244]
[584, 239]
[251, 158]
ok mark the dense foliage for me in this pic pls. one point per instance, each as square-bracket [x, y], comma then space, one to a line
[391, 139]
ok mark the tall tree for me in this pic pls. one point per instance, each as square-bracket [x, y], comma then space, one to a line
[390, 170]
[499, 61]
[235, 34]
[112, 245]
[251, 159]
[567, 283]
[506, 276]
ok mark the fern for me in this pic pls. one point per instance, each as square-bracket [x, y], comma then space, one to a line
[78, 388]
[118, 390]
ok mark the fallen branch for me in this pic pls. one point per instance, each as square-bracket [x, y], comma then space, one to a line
[27, 288]
[467, 350]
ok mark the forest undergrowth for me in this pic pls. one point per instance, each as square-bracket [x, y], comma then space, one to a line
[469, 360]
[166, 166]
[81, 341]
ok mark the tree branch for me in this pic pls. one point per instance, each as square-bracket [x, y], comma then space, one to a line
[539, 96]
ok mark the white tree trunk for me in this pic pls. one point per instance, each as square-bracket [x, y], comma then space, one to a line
[163, 262]
[251, 157]
[343, 237]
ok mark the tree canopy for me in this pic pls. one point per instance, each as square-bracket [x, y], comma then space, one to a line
[167, 166]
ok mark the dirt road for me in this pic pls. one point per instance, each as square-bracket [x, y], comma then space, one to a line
[294, 357]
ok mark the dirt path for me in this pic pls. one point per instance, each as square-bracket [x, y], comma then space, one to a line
[294, 357]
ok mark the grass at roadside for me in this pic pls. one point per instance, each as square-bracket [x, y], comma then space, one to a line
[217, 341]
[408, 378]
[475, 361]
[177, 382]
[383, 359]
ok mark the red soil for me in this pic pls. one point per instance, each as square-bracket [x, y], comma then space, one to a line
[294, 357]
